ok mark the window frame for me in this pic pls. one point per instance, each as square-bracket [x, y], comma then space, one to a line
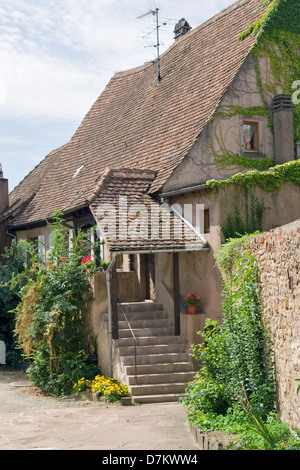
[255, 124]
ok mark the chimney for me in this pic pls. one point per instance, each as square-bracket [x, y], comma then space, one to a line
[4, 201]
[283, 123]
[181, 28]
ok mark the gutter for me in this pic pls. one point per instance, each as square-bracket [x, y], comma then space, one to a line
[186, 222]
[109, 310]
[165, 250]
[189, 189]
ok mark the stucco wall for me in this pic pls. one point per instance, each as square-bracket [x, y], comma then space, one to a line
[281, 206]
[198, 275]
[225, 133]
[278, 255]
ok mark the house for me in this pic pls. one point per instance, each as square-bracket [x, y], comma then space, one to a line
[222, 106]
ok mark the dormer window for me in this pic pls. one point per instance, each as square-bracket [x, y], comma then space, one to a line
[250, 136]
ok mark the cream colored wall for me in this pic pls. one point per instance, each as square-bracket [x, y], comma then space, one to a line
[281, 206]
[28, 235]
[225, 133]
[198, 273]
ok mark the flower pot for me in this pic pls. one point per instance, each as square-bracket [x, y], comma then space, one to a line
[192, 309]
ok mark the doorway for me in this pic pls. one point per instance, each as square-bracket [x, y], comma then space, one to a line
[150, 276]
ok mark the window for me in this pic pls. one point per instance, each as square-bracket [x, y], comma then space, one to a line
[250, 136]
[206, 221]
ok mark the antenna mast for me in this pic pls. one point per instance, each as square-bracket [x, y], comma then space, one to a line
[155, 12]
[157, 45]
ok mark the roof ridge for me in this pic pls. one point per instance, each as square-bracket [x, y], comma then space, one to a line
[207, 22]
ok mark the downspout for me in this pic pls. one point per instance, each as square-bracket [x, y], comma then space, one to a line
[109, 311]
[11, 234]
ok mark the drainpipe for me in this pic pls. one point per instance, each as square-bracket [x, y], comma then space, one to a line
[108, 286]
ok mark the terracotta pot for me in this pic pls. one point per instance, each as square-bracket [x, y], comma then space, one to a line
[191, 309]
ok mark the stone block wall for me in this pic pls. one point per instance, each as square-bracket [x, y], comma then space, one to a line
[278, 255]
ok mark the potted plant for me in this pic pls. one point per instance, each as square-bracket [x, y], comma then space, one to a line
[192, 302]
[105, 264]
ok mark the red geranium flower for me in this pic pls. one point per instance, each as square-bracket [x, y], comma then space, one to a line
[86, 259]
[191, 299]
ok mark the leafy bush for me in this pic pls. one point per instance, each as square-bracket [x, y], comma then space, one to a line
[236, 358]
[51, 317]
[11, 266]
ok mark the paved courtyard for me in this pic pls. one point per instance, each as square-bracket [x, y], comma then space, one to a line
[31, 421]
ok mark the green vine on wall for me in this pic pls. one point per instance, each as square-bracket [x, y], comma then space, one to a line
[268, 180]
[276, 46]
[277, 39]
[237, 225]
[224, 158]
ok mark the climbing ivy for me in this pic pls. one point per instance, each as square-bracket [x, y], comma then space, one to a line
[268, 180]
[236, 356]
[280, 14]
[237, 225]
[277, 39]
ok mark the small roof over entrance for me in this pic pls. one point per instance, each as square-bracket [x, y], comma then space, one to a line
[131, 220]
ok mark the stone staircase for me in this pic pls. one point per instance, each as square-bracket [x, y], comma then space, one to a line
[157, 366]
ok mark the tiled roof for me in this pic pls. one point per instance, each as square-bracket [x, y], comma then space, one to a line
[140, 123]
[131, 220]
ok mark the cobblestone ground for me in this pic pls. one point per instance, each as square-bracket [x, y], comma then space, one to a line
[29, 420]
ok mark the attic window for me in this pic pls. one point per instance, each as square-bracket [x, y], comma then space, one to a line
[250, 136]
[78, 170]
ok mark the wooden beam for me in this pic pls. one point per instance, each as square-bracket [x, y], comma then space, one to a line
[176, 294]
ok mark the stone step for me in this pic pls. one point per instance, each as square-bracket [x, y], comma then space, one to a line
[155, 358]
[146, 340]
[144, 323]
[159, 368]
[140, 306]
[164, 398]
[157, 389]
[146, 332]
[161, 378]
[147, 315]
[151, 350]
[167, 367]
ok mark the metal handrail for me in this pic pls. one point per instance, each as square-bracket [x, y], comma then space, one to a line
[134, 337]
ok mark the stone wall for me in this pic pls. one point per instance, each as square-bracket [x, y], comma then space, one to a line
[278, 255]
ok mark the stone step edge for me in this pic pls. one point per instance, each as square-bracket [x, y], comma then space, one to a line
[158, 398]
[161, 378]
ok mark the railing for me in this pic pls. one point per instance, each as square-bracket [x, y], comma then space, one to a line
[135, 340]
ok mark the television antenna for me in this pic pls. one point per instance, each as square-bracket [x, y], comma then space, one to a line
[154, 13]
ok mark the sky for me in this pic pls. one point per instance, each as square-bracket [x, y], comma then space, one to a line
[57, 56]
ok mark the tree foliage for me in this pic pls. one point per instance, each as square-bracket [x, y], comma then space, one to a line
[51, 316]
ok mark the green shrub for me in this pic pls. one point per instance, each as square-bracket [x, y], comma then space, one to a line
[236, 356]
[51, 317]
[11, 266]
